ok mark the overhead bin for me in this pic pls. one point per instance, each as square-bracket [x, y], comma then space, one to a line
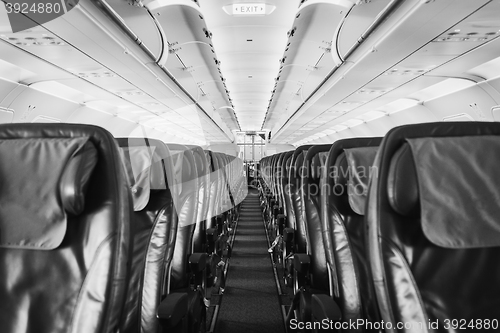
[397, 58]
[118, 69]
[143, 25]
[358, 22]
[192, 59]
[308, 57]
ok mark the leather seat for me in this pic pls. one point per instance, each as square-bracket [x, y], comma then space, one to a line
[287, 203]
[289, 224]
[187, 267]
[311, 276]
[203, 174]
[280, 220]
[213, 190]
[343, 201]
[65, 222]
[154, 229]
[433, 226]
[266, 185]
[276, 207]
[295, 186]
[239, 185]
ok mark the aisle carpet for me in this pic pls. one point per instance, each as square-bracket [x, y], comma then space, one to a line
[250, 302]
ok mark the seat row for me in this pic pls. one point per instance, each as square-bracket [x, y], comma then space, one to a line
[99, 234]
[392, 234]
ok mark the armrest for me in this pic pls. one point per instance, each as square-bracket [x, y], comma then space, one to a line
[324, 307]
[197, 262]
[276, 211]
[211, 238]
[281, 222]
[220, 223]
[172, 309]
[301, 263]
[288, 234]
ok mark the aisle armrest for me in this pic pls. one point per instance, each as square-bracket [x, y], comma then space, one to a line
[288, 234]
[172, 310]
[324, 307]
[302, 262]
[197, 262]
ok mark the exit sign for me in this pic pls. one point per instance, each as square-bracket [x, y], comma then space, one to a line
[249, 9]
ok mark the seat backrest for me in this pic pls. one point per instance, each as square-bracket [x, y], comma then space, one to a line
[276, 175]
[203, 175]
[342, 220]
[239, 186]
[272, 175]
[213, 190]
[222, 195]
[288, 208]
[154, 227]
[434, 231]
[295, 182]
[187, 189]
[280, 175]
[64, 222]
[312, 182]
[226, 170]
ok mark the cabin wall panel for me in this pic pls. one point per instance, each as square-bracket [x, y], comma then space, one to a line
[6, 90]
[31, 103]
[117, 126]
[463, 101]
[492, 87]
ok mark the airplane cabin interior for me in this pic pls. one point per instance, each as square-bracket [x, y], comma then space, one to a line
[182, 166]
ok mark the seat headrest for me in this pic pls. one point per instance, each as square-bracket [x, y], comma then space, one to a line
[360, 165]
[188, 169]
[41, 181]
[201, 163]
[352, 171]
[145, 173]
[177, 161]
[186, 177]
[318, 165]
[458, 188]
[340, 171]
[402, 183]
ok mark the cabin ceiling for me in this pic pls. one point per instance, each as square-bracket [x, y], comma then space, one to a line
[249, 48]
[305, 70]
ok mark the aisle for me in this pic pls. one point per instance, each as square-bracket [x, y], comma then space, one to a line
[250, 302]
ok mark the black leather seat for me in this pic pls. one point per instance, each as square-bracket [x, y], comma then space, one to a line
[203, 174]
[239, 185]
[228, 198]
[276, 222]
[289, 224]
[271, 199]
[64, 222]
[295, 186]
[213, 190]
[434, 230]
[154, 229]
[280, 221]
[187, 267]
[343, 201]
[287, 203]
[311, 276]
